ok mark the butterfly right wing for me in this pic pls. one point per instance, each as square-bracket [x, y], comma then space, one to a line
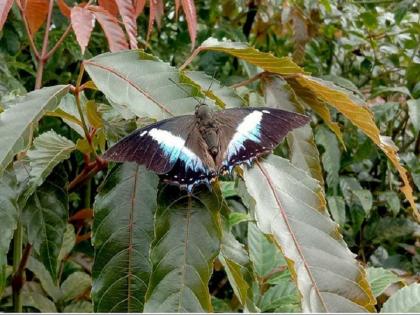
[157, 146]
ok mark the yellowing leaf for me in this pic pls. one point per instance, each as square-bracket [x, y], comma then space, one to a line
[83, 146]
[362, 117]
[93, 115]
[266, 61]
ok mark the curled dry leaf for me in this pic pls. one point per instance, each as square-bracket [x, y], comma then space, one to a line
[36, 12]
[5, 6]
[110, 6]
[128, 14]
[82, 21]
[113, 31]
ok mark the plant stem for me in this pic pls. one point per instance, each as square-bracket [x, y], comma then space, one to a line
[59, 42]
[43, 58]
[28, 32]
[17, 256]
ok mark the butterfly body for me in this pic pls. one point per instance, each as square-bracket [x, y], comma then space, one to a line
[194, 149]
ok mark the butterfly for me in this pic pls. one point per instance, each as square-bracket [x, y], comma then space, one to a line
[190, 150]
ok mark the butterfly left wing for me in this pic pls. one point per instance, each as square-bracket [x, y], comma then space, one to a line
[247, 133]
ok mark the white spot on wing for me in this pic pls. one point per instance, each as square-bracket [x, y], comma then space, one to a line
[249, 128]
[266, 111]
[143, 133]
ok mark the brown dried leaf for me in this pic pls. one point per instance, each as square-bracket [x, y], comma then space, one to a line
[5, 6]
[36, 12]
[113, 31]
[110, 6]
[82, 21]
[128, 14]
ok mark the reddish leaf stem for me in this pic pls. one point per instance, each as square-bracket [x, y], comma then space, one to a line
[28, 32]
[59, 42]
[190, 58]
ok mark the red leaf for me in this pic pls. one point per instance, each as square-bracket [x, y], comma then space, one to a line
[156, 13]
[82, 21]
[36, 12]
[128, 14]
[113, 31]
[110, 6]
[64, 8]
[82, 214]
[139, 5]
[5, 6]
[191, 17]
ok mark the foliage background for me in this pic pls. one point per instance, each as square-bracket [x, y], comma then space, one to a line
[368, 47]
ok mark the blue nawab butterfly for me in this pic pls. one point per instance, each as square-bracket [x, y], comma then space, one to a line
[195, 149]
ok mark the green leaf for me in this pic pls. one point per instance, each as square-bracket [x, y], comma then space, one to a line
[337, 208]
[9, 212]
[283, 297]
[303, 151]
[49, 149]
[45, 216]
[224, 96]
[263, 60]
[392, 201]
[69, 240]
[414, 112]
[75, 285]
[79, 307]
[235, 260]
[355, 194]
[141, 84]
[47, 283]
[187, 240]
[122, 233]
[380, 279]
[17, 121]
[38, 301]
[290, 207]
[264, 255]
[331, 156]
[238, 217]
[405, 300]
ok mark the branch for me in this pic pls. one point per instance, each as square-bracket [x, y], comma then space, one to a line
[248, 81]
[190, 58]
[59, 42]
[28, 32]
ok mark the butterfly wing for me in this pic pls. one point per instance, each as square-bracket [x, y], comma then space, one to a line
[190, 172]
[247, 133]
[157, 146]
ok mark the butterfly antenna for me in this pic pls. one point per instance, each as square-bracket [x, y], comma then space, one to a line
[186, 92]
[211, 83]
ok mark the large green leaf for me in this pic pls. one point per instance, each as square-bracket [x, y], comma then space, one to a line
[380, 279]
[282, 297]
[264, 255]
[17, 121]
[303, 151]
[141, 84]
[75, 285]
[187, 240]
[406, 300]
[49, 149]
[122, 233]
[9, 212]
[45, 216]
[235, 260]
[290, 207]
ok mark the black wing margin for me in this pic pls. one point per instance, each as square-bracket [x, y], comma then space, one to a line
[247, 133]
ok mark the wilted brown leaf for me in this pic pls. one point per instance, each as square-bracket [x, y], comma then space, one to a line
[82, 21]
[156, 13]
[36, 12]
[191, 17]
[113, 31]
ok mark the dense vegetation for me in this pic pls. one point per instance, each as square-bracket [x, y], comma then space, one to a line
[329, 222]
